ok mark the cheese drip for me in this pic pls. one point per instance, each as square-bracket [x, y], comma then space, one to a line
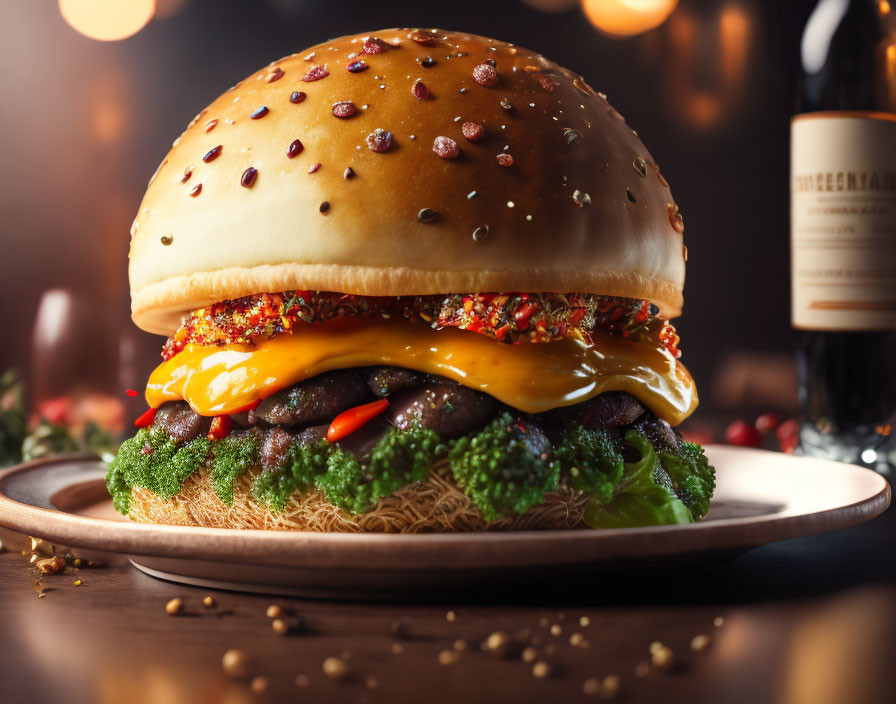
[531, 377]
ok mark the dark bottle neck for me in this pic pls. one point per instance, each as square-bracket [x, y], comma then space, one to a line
[844, 55]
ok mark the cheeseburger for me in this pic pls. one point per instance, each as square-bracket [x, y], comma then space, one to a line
[411, 281]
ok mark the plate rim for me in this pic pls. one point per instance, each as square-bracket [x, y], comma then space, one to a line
[425, 551]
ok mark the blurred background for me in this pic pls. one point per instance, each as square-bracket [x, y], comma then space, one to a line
[96, 90]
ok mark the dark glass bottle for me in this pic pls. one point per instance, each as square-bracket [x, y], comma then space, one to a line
[843, 232]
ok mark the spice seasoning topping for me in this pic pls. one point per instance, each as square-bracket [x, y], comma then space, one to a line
[212, 154]
[427, 215]
[510, 318]
[546, 82]
[675, 217]
[373, 45]
[485, 75]
[480, 233]
[348, 173]
[630, 195]
[343, 109]
[445, 148]
[210, 125]
[315, 74]
[294, 149]
[571, 136]
[505, 159]
[325, 206]
[296, 97]
[581, 199]
[472, 131]
[419, 90]
[247, 180]
[187, 174]
[421, 37]
[275, 75]
[428, 62]
[640, 166]
[314, 168]
[166, 240]
[357, 66]
[259, 113]
[196, 190]
[379, 140]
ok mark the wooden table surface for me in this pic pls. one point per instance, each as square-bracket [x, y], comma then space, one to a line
[810, 620]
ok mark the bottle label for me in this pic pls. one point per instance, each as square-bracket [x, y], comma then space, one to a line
[843, 220]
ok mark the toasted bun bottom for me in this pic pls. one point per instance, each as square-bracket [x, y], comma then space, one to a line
[437, 505]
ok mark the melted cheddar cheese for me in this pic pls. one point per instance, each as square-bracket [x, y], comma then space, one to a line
[531, 377]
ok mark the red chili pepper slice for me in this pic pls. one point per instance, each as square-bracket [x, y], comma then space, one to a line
[220, 428]
[349, 421]
[248, 407]
[146, 418]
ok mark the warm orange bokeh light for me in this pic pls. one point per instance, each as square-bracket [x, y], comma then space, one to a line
[626, 18]
[107, 20]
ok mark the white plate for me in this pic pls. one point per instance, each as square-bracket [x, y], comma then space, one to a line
[761, 497]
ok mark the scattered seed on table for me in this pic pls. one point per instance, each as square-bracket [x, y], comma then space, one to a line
[718, 621]
[397, 649]
[174, 606]
[208, 602]
[591, 686]
[371, 682]
[556, 629]
[280, 626]
[541, 670]
[302, 680]
[497, 643]
[576, 639]
[259, 684]
[663, 658]
[274, 611]
[584, 621]
[235, 663]
[700, 642]
[609, 688]
[448, 657]
[642, 669]
[529, 654]
[335, 668]
[460, 645]
[450, 616]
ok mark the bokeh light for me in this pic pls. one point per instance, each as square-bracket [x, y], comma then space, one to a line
[107, 20]
[626, 18]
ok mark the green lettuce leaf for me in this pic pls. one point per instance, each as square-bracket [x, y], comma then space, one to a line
[644, 496]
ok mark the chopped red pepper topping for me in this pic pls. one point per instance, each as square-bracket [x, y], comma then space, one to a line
[220, 428]
[520, 317]
[349, 421]
[146, 418]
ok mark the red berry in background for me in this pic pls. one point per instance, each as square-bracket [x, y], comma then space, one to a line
[742, 434]
[767, 422]
[788, 435]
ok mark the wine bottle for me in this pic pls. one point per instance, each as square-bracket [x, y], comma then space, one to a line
[843, 232]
